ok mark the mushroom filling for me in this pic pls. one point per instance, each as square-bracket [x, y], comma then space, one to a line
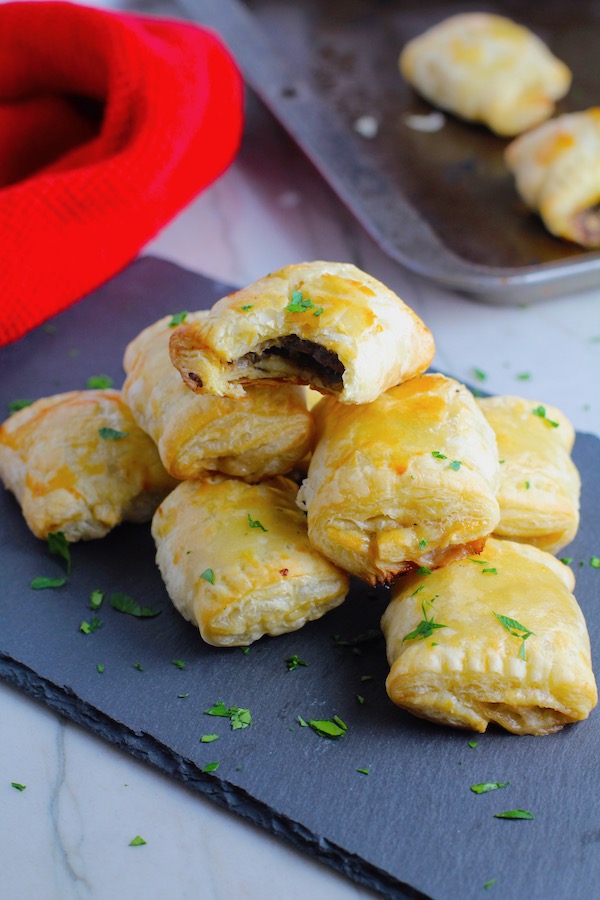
[589, 223]
[300, 359]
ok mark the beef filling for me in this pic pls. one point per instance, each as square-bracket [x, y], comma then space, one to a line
[318, 363]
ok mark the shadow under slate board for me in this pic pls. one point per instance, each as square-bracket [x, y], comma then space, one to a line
[411, 827]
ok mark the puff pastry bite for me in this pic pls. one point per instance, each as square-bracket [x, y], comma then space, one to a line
[539, 482]
[236, 559]
[408, 480]
[500, 639]
[325, 324]
[557, 173]
[68, 477]
[486, 68]
[265, 433]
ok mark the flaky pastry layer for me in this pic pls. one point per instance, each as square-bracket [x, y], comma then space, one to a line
[486, 68]
[408, 480]
[262, 434]
[325, 324]
[455, 662]
[69, 478]
[237, 562]
[557, 173]
[539, 483]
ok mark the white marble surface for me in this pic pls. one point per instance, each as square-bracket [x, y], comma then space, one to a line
[66, 836]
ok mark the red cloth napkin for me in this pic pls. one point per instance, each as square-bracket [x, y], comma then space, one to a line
[109, 125]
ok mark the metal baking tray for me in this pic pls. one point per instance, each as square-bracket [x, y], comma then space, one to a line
[443, 204]
[409, 829]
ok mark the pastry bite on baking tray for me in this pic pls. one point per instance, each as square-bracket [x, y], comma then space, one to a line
[407, 481]
[237, 562]
[264, 433]
[539, 482]
[78, 463]
[325, 324]
[498, 639]
[486, 68]
[557, 173]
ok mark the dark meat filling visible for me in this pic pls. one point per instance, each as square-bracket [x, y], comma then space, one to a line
[319, 365]
[589, 223]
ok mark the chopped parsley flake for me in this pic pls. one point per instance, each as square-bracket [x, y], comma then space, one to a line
[472, 744]
[302, 722]
[489, 884]
[137, 841]
[514, 814]
[490, 571]
[366, 678]
[480, 562]
[245, 650]
[254, 523]
[294, 662]
[425, 628]
[455, 465]
[524, 376]
[527, 485]
[179, 663]
[329, 728]
[90, 627]
[59, 546]
[566, 560]
[211, 767]
[125, 604]
[486, 786]
[208, 575]
[595, 562]
[100, 668]
[437, 455]
[422, 544]
[423, 570]
[18, 786]
[99, 382]
[246, 307]
[298, 303]
[15, 405]
[239, 718]
[177, 319]
[96, 599]
[540, 411]
[479, 374]
[38, 584]
[364, 771]
[365, 637]
[182, 696]
[209, 738]
[112, 434]
[517, 630]
[360, 698]
[138, 666]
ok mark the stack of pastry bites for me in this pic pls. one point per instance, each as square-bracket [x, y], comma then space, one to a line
[407, 477]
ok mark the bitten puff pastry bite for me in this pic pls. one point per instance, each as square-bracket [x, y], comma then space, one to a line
[236, 559]
[486, 68]
[325, 324]
[408, 480]
[78, 463]
[557, 172]
[496, 639]
[539, 482]
[265, 433]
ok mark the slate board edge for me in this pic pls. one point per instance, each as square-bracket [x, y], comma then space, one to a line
[145, 748]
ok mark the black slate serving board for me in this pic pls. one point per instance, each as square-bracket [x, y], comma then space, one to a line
[410, 828]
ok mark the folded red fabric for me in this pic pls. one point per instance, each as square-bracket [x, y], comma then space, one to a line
[109, 125]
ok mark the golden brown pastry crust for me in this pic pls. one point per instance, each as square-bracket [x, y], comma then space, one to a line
[321, 323]
[486, 68]
[471, 671]
[68, 478]
[236, 580]
[265, 433]
[379, 501]
[557, 171]
[539, 483]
